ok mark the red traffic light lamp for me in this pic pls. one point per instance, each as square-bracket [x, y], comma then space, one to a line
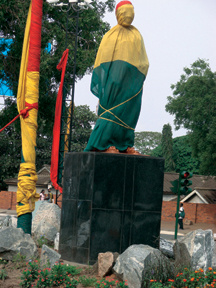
[184, 182]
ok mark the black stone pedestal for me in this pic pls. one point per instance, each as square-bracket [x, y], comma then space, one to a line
[110, 201]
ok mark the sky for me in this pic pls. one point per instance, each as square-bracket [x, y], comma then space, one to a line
[176, 33]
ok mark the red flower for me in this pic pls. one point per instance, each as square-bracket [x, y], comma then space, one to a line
[171, 280]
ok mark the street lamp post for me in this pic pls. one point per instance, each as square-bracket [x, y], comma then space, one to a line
[69, 88]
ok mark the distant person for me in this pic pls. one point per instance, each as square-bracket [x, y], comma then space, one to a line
[181, 216]
[50, 196]
[42, 195]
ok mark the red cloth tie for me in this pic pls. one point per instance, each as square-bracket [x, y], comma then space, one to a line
[23, 112]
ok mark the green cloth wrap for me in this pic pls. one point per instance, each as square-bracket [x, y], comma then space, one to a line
[114, 83]
[24, 221]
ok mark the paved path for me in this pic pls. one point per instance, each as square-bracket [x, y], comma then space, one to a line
[168, 227]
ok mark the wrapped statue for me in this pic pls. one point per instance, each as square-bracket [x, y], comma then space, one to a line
[119, 73]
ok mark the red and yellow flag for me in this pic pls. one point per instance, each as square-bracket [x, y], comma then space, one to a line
[27, 99]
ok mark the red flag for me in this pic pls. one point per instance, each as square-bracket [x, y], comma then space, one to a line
[57, 124]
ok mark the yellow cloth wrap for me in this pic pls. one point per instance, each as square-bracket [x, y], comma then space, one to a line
[27, 179]
[28, 91]
[29, 124]
[123, 40]
[23, 65]
[125, 15]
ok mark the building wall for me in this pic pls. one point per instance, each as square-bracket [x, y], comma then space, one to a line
[8, 200]
[13, 188]
[196, 212]
[169, 197]
[195, 199]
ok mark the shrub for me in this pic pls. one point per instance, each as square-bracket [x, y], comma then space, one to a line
[188, 278]
[19, 260]
[105, 283]
[42, 240]
[3, 274]
[87, 282]
[44, 278]
[30, 275]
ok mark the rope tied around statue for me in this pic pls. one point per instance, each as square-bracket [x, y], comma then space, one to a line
[23, 112]
[123, 124]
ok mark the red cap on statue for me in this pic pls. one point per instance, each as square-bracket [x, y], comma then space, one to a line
[122, 3]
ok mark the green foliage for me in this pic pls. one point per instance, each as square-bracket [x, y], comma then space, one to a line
[13, 15]
[19, 260]
[108, 283]
[30, 275]
[72, 270]
[41, 241]
[87, 282]
[187, 278]
[182, 156]
[44, 279]
[122, 284]
[3, 261]
[83, 118]
[3, 274]
[193, 103]
[10, 142]
[60, 274]
[157, 152]
[91, 30]
[167, 148]
[71, 283]
[146, 141]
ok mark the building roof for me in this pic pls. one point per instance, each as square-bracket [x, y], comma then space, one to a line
[43, 178]
[208, 196]
[204, 185]
[199, 182]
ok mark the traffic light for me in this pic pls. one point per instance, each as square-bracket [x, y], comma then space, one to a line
[174, 187]
[184, 182]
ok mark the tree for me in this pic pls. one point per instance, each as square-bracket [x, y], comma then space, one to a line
[194, 105]
[10, 143]
[83, 120]
[182, 155]
[146, 141]
[13, 17]
[12, 26]
[167, 147]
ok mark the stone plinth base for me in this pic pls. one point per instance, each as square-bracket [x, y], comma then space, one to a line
[110, 201]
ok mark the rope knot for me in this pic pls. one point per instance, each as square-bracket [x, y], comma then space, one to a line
[25, 112]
